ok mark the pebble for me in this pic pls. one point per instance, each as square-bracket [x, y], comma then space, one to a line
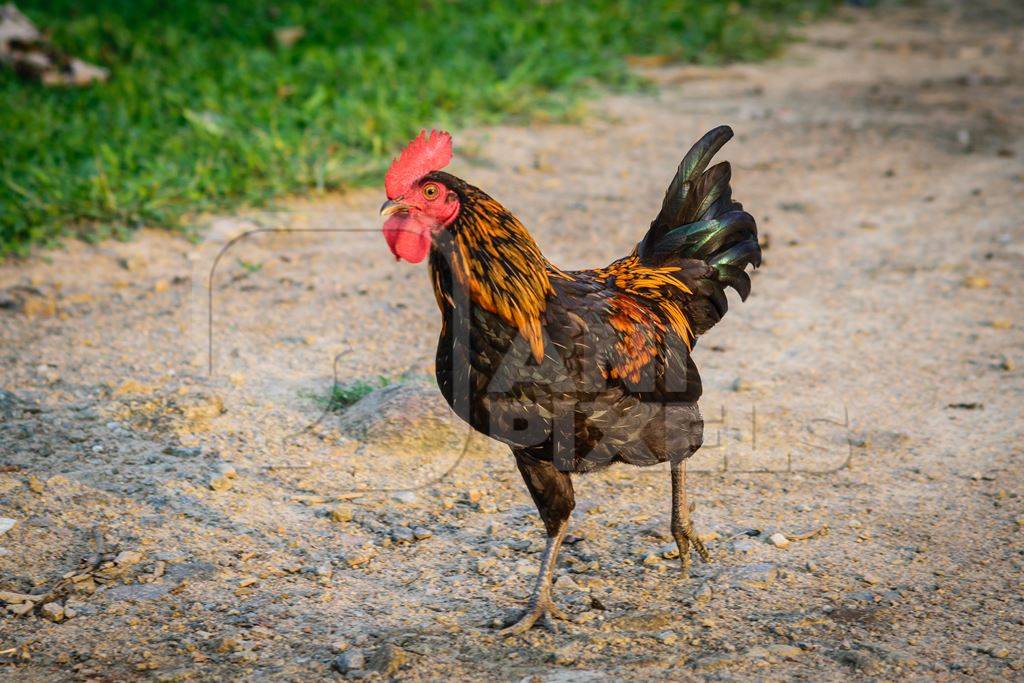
[220, 482]
[485, 564]
[52, 611]
[421, 533]
[352, 660]
[704, 593]
[180, 452]
[127, 557]
[404, 497]
[862, 661]
[870, 579]
[6, 524]
[342, 513]
[387, 660]
[652, 559]
[779, 540]
[402, 534]
[567, 585]
[20, 609]
[360, 556]
[784, 651]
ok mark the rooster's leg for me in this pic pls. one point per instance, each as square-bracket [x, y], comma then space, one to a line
[682, 527]
[552, 492]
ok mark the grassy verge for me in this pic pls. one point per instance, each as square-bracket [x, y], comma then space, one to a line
[206, 110]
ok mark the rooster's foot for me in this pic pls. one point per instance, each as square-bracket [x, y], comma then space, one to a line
[543, 611]
[686, 538]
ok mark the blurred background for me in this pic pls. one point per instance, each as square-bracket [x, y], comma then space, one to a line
[205, 105]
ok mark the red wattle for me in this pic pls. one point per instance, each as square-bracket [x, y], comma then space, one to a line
[407, 238]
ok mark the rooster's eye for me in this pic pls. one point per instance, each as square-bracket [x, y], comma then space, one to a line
[431, 191]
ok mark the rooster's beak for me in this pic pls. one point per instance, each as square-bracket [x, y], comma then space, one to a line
[391, 206]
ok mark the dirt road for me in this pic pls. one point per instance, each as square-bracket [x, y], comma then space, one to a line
[871, 388]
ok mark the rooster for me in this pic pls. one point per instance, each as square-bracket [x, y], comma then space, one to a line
[574, 370]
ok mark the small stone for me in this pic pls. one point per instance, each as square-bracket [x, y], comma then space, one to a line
[248, 581]
[421, 533]
[127, 558]
[6, 524]
[861, 661]
[402, 534]
[352, 660]
[854, 524]
[779, 540]
[387, 660]
[325, 571]
[35, 485]
[784, 651]
[977, 282]
[360, 556]
[221, 482]
[342, 513]
[21, 608]
[668, 637]
[870, 579]
[1000, 653]
[567, 585]
[406, 497]
[704, 593]
[652, 559]
[52, 611]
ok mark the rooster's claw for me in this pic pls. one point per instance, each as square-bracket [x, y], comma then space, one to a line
[545, 612]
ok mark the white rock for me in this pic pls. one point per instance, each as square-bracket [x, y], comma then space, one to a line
[6, 524]
[127, 557]
[779, 540]
[52, 611]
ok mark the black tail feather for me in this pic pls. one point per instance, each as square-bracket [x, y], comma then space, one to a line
[699, 221]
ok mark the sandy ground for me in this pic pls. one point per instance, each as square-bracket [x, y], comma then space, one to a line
[870, 388]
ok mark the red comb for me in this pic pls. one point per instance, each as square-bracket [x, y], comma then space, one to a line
[423, 155]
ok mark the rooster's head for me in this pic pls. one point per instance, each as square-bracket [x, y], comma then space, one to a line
[419, 205]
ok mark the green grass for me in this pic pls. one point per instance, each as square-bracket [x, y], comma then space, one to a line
[204, 111]
[344, 394]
